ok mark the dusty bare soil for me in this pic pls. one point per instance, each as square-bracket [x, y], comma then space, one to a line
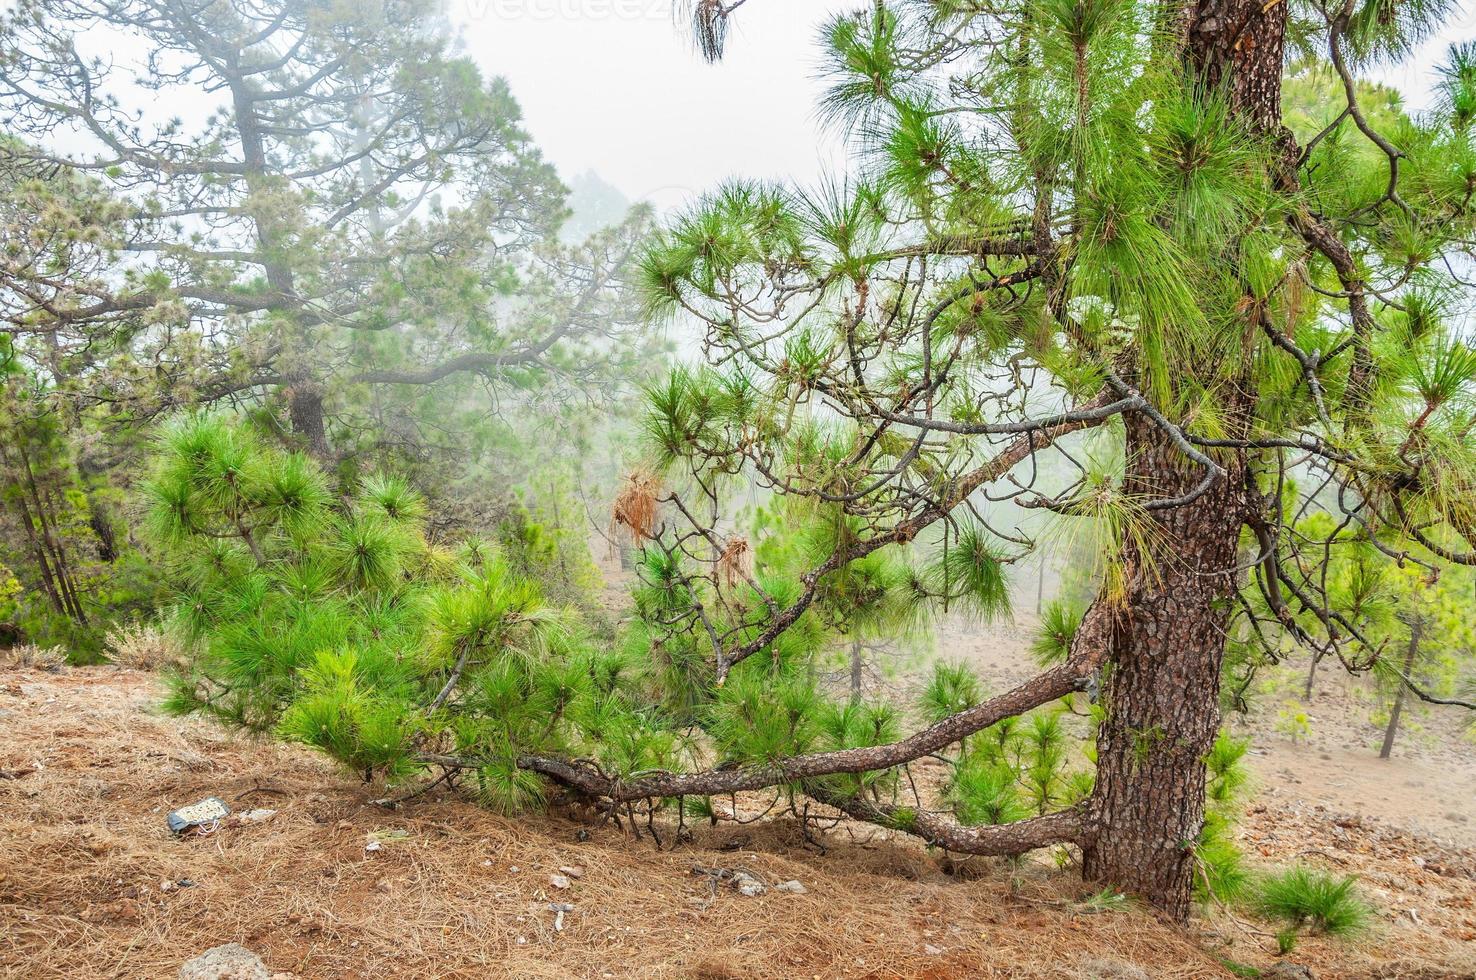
[89, 772]
[1428, 787]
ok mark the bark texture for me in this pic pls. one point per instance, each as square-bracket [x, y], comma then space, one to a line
[1237, 47]
[1162, 694]
[1163, 685]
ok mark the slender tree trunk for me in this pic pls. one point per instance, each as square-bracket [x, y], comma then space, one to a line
[59, 568]
[1163, 681]
[1311, 677]
[1039, 585]
[857, 666]
[305, 409]
[43, 565]
[1416, 632]
[304, 392]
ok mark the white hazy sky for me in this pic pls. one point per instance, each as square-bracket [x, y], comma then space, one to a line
[613, 86]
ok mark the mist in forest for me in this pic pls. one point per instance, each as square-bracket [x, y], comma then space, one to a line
[954, 432]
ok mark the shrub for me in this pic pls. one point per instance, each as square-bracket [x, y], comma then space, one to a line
[1305, 899]
[329, 619]
[31, 655]
[140, 646]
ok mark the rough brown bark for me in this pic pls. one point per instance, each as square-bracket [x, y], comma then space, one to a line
[1236, 47]
[1162, 693]
[1163, 684]
[305, 409]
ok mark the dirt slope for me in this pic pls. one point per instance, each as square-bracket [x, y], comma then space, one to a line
[89, 773]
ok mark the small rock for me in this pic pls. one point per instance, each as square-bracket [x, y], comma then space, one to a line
[575, 871]
[1286, 971]
[229, 962]
[792, 886]
[207, 813]
[260, 815]
[1111, 970]
[558, 909]
[372, 846]
[932, 950]
[747, 885]
[558, 881]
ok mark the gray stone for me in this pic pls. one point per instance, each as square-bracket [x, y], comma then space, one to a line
[747, 885]
[229, 962]
[1286, 971]
[1112, 970]
[791, 886]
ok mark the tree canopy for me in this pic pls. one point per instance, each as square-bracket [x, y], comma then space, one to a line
[317, 207]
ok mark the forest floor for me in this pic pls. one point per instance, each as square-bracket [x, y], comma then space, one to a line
[93, 884]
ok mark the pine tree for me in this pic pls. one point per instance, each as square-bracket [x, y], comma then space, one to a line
[335, 622]
[57, 530]
[315, 208]
[1093, 217]
[1080, 228]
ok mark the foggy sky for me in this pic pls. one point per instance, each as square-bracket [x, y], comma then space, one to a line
[613, 86]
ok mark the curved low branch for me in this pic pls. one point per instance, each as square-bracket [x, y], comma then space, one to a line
[1043, 689]
[1090, 649]
[1429, 698]
[998, 840]
[475, 363]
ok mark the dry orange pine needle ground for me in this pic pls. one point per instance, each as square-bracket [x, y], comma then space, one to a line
[95, 886]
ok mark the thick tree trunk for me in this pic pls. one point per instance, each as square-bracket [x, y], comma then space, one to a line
[304, 392]
[1163, 686]
[1236, 48]
[1163, 682]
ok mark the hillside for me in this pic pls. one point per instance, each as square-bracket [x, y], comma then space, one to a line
[89, 773]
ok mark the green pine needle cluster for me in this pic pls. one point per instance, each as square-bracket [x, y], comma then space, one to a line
[331, 620]
[1303, 899]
